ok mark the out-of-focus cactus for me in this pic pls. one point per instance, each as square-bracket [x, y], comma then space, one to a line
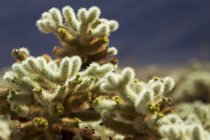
[84, 34]
[195, 112]
[192, 83]
[172, 127]
[5, 130]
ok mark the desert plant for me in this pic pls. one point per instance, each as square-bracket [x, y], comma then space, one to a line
[81, 93]
[192, 83]
[85, 35]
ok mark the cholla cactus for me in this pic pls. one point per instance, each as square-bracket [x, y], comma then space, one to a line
[68, 97]
[137, 106]
[199, 113]
[84, 34]
[174, 128]
[50, 95]
[193, 83]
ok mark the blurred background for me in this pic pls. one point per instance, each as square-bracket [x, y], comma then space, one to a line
[152, 32]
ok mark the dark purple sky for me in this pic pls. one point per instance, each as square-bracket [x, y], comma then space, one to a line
[151, 31]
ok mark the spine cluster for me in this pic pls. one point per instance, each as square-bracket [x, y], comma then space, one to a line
[84, 34]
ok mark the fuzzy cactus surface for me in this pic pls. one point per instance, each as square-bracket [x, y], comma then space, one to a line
[83, 95]
[83, 33]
